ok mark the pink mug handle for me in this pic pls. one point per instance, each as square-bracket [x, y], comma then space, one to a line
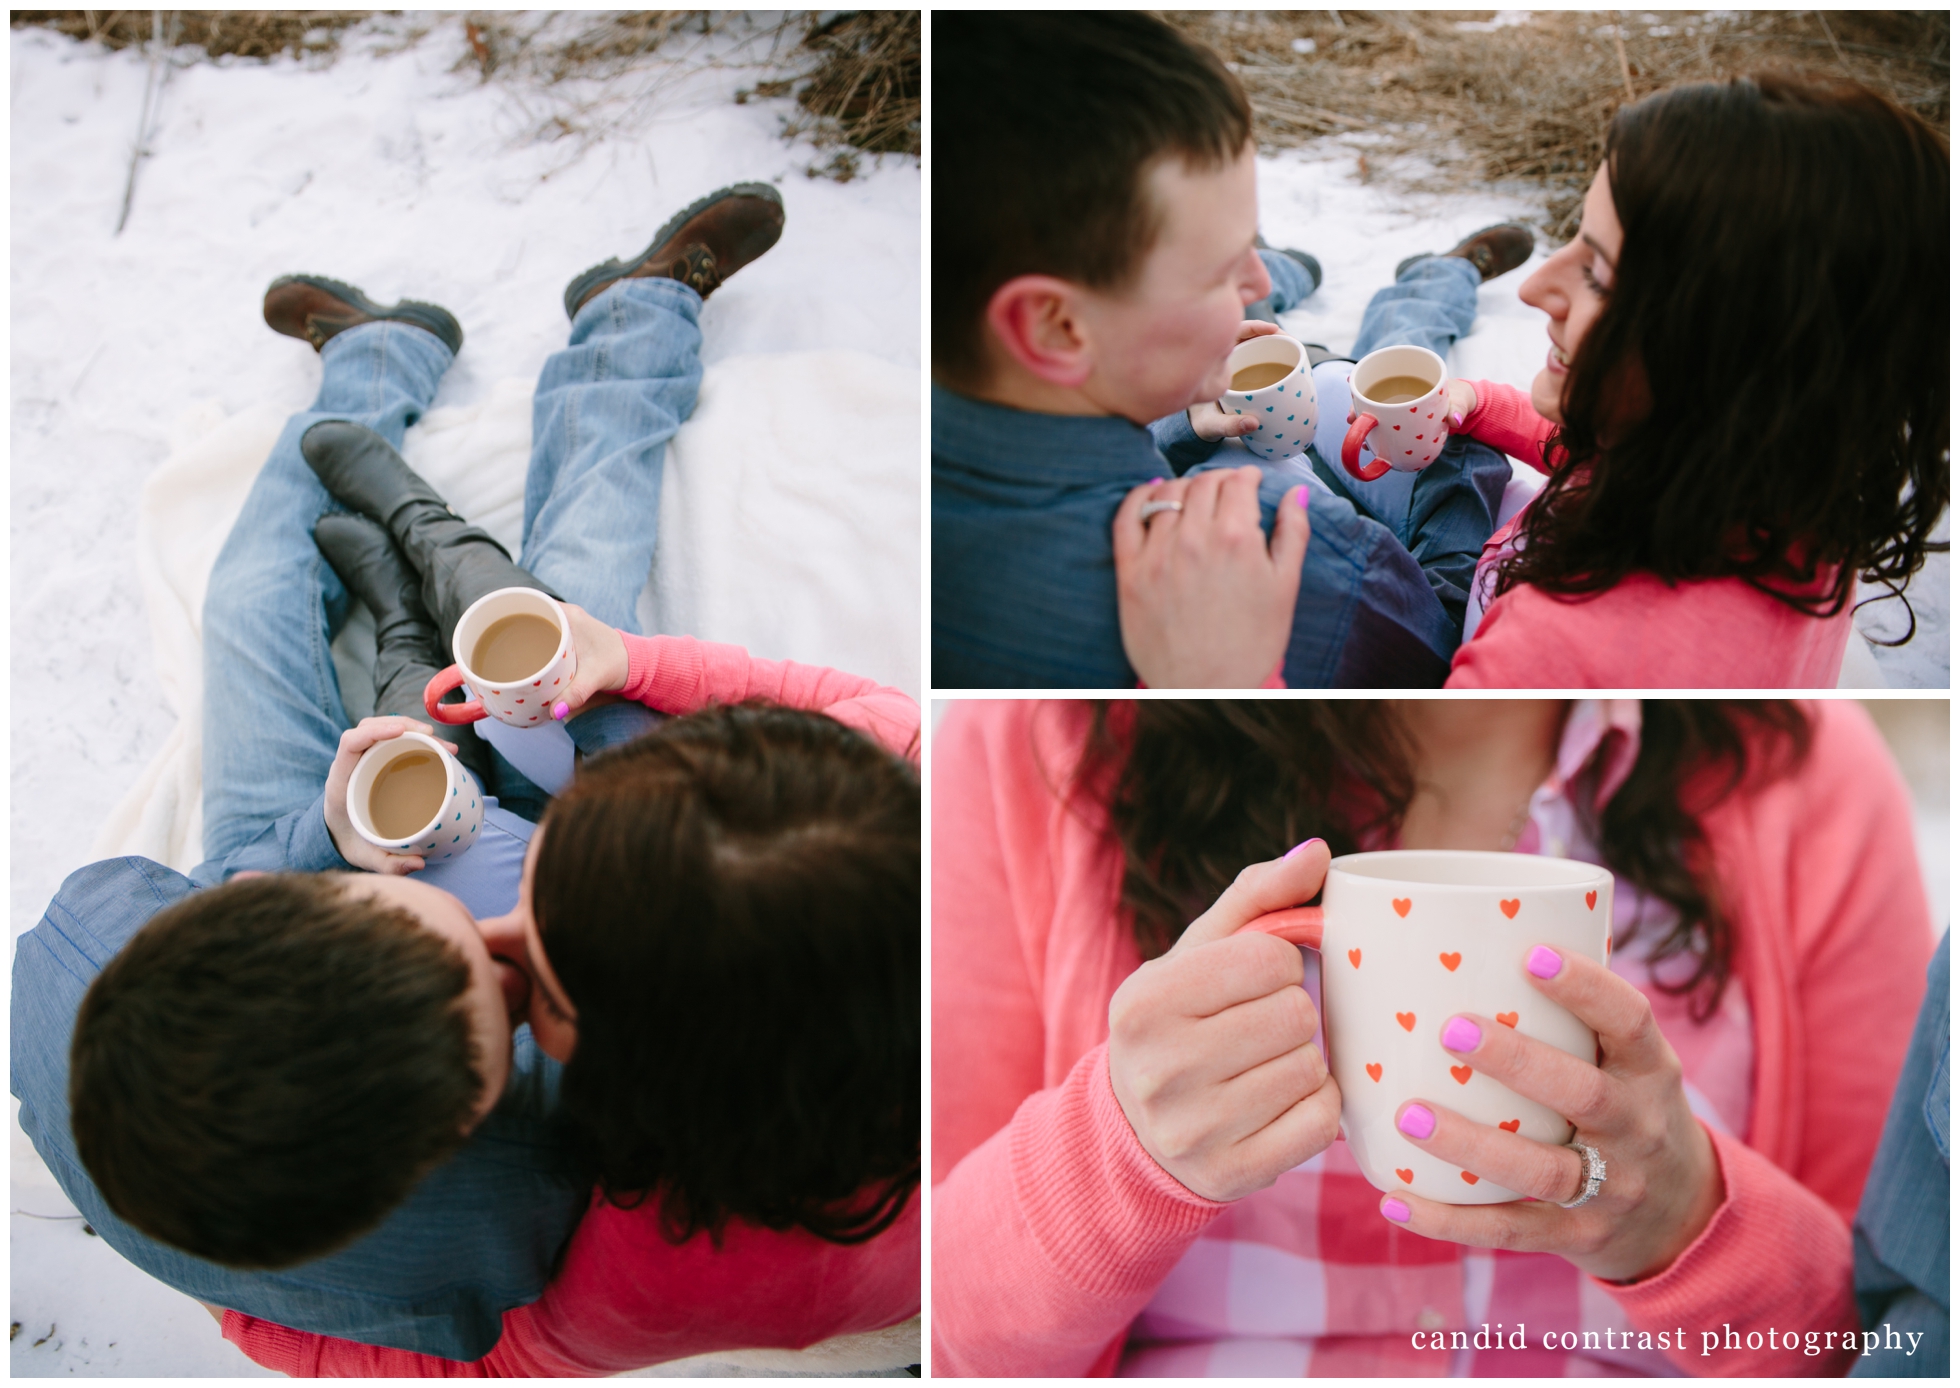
[1351, 450]
[1297, 925]
[453, 714]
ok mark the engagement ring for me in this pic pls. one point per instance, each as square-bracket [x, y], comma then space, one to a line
[1592, 1169]
[1151, 508]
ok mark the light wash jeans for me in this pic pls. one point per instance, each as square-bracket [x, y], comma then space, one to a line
[604, 410]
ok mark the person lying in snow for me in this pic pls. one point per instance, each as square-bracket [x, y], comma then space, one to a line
[1095, 258]
[378, 1106]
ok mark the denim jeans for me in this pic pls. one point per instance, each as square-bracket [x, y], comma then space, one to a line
[605, 408]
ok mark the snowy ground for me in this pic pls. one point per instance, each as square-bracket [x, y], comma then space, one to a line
[399, 175]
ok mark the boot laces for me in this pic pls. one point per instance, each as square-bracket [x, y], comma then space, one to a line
[698, 270]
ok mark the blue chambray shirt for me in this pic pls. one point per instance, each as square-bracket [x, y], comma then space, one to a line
[1024, 580]
[476, 1237]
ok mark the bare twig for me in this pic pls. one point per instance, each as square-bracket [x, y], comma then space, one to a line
[1843, 62]
[143, 120]
[1620, 47]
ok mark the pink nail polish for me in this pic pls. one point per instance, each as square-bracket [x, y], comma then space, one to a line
[1544, 962]
[1155, 482]
[1300, 495]
[1462, 1034]
[1417, 1121]
[1395, 1210]
[1300, 848]
[560, 709]
[1458, 417]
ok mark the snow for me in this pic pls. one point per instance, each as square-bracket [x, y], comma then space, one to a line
[388, 170]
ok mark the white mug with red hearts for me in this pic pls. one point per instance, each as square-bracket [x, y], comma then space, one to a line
[1271, 381]
[1407, 940]
[1401, 409]
[514, 650]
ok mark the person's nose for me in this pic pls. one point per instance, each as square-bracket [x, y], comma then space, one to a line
[1544, 289]
[1258, 283]
[503, 936]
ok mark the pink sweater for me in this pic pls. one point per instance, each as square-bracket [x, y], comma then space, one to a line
[1641, 633]
[624, 1297]
[1052, 1227]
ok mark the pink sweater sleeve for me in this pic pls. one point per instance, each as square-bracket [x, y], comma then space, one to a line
[1052, 1235]
[1830, 853]
[1505, 420]
[678, 674]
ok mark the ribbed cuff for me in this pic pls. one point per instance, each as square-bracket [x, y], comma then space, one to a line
[1085, 1160]
[1773, 1256]
[268, 1345]
[663, 672]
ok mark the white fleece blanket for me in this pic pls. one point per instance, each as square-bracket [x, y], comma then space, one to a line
[789, 523]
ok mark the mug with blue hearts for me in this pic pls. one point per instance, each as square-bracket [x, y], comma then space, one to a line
[409, 796]
[1271, 381]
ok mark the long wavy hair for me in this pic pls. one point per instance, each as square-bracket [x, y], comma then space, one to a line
[1195, 790]
[732, 904]
[1781, 300]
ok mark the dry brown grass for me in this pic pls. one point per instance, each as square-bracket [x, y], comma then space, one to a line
[220, 33]
[1530, 102]
[867, 81]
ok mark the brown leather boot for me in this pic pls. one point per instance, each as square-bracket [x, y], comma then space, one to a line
[1493, 250]
[701, 245]
[314, 308]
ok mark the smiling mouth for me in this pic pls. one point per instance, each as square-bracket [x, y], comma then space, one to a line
[1560, 356]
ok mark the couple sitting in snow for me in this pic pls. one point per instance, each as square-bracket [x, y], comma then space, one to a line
[1742, 413]
[552, 1106]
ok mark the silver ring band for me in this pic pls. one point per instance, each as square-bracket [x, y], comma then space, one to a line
[1592, 1169]
[1151, 508]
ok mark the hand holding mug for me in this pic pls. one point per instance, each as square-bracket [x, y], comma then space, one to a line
[354, 743]
[1211, 1052]
[1203, 600]
[602, 665]
[1208, 420]
[1662, 1184]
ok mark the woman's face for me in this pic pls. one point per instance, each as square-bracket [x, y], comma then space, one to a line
[514, 938]
[1572, 286]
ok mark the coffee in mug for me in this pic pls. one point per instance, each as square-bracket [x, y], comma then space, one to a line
[1272, 382]
[408, 795]
[1260, 375]
[514, 650]
[1409, 938]
[1400, 398]
[1400, 390]
[515, 647]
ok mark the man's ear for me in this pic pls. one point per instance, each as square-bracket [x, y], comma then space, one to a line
[1038, 321]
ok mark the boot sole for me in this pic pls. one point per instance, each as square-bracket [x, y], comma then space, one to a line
[433, 318]
[589, 283]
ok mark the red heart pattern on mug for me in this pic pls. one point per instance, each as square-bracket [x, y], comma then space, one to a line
[1592, 900]
[1511, 1126]
[1509, 1019]
[1402, 905]
[1450, 961]
[1468, 1178]
[1461, 1073]
[1407, 1019]
[1374, 1071]
[1407, 1174]
[1354, 957]
[1510, 908]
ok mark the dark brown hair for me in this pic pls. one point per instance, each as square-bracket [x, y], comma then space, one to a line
[732, 905]
[269, 1066]
[1044, 125]
[1781, 294]
[1196, 790]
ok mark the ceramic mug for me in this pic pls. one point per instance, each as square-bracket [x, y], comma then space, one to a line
[523, 699]
[1408, 432]
[455, 804]
[1407, 939]
[1287, 409]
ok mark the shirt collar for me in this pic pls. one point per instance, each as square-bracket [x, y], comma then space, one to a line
[1022, 446]
[1606, 731]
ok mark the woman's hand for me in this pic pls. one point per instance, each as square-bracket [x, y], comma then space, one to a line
[1203, 601]
[1463, 399]
[1211, 1048]
[1662, 1182]
[601, 663]
[1210, 422]
[356, 740]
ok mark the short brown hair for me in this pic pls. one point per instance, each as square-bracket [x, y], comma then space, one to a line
[269, 1066]
[1044, 125]
[732, 903]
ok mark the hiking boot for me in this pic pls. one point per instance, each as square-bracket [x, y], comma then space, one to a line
[458, 562]
[313, 308]
[1493, 250]
[701, 245]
